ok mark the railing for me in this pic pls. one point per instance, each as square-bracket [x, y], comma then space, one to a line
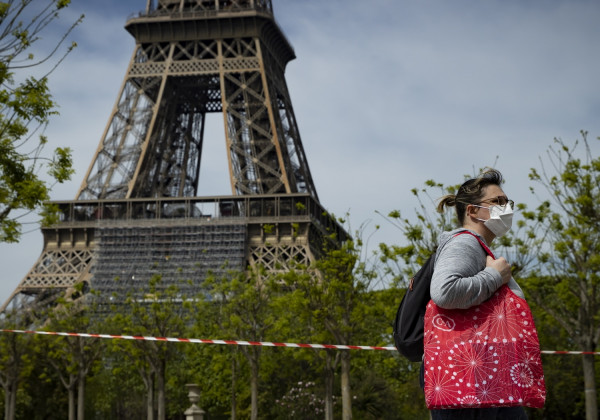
[245, 209]
[169, 7]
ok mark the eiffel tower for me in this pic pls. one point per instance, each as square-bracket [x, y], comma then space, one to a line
[137, 210]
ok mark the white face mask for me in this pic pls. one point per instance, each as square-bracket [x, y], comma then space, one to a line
[500, 220]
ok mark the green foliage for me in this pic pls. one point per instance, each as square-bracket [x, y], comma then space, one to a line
[333, 292]
[421, 234]
[567, 286]
[26, 106]
[243, 306]
[157, 310]
[71, 359]
[115, 390]
[15, 365]
[268, 228]
[334, 301]
[560, 372]
[295, 229]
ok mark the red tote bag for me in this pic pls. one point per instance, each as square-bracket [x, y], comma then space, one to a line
[484, 356]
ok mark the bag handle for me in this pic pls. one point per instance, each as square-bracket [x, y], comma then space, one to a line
[485, 247]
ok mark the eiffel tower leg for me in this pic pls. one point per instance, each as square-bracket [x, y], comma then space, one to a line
[265, 152]
[65, 261]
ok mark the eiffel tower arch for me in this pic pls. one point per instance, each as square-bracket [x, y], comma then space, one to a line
[138, 209]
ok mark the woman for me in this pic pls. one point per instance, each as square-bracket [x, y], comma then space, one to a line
[464, 274]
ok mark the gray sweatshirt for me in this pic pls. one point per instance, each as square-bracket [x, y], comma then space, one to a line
[460, 278]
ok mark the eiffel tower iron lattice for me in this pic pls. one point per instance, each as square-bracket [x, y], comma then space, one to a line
[137, 211]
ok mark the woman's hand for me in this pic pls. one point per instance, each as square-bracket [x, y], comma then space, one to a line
[500, 265]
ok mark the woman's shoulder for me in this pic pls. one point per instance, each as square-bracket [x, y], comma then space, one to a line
[460, 238]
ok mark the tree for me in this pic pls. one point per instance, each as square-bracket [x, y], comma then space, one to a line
[26, 106]
[567, 286]
[73, 357]
[243, 302]
[302, 317]
[402, 261]
[15, 363]
[334, 295]
[159, 310]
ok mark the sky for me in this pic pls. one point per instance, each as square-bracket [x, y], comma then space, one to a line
[387, 94]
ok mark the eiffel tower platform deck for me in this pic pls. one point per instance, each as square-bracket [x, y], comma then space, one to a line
[114, 246]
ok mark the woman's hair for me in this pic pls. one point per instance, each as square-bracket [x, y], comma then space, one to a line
[471, 192]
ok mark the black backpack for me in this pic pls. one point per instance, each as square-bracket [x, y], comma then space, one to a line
[409, 326]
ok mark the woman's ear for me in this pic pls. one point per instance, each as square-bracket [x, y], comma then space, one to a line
[471, 210]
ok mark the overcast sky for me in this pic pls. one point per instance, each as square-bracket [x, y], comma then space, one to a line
[387, 94]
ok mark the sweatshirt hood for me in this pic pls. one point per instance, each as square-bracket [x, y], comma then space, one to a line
[446, 236]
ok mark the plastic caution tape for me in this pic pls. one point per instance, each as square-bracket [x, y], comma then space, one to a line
[240, 342]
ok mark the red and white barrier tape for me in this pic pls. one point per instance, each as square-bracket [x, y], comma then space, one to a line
[240, 342]
[595, 353]
[201, 341]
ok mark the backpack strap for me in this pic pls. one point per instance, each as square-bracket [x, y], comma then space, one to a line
[485, 247]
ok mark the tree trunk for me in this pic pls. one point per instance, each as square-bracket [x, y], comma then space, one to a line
[81, 396]
[10, 382]
[346, 392]
[233, 384]
[162, 412]
[7, 404]
[7, 397]
[329, 379]
[10, 399]
[149, 382]
[13, 401]
[72, 407]
[254, 390]
[589, 381]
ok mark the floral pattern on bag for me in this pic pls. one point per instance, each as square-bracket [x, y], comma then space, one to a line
[485, 356]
